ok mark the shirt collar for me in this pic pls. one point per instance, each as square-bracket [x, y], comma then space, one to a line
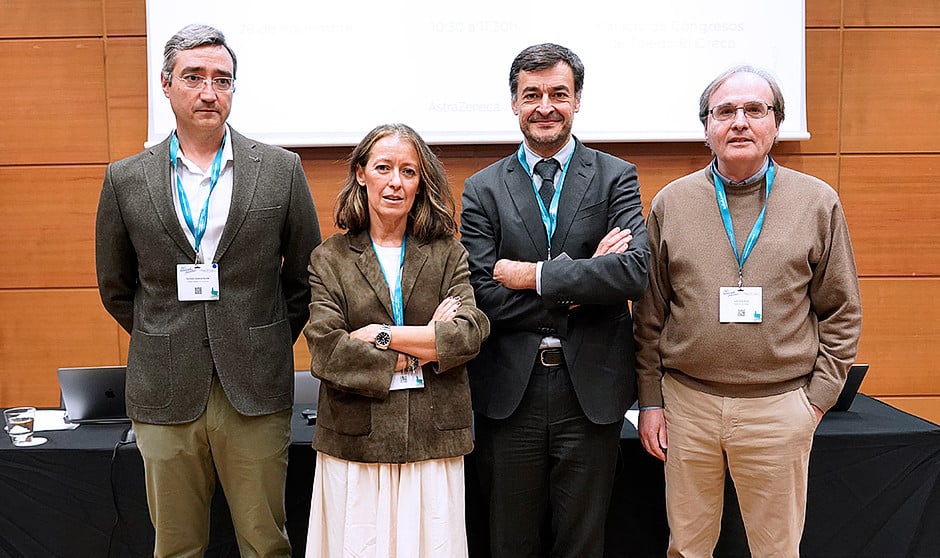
[748, 181]
[562, 155]
[227, 154]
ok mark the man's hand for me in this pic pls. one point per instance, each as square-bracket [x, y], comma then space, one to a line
[615, 242]
[652, 430]
[515, 275]
[521, 275]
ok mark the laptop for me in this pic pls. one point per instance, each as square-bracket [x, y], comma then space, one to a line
[852, 382]
[93, 395]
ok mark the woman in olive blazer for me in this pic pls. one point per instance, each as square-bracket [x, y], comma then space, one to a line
[393, 322]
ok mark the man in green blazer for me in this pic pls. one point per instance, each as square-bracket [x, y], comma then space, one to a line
[202, 243]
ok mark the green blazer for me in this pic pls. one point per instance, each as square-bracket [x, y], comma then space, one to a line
[246, 336]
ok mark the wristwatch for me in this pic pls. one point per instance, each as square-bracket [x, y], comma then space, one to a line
[383, 337]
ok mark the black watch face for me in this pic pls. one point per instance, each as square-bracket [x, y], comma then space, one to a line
[382, 339]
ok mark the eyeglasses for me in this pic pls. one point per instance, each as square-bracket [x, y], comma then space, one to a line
[752, 109]
[219, 84]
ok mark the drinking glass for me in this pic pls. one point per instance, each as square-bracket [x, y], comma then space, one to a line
[20, 421]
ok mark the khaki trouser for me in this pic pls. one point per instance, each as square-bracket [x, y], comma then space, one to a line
[249, 455]
[764, 442]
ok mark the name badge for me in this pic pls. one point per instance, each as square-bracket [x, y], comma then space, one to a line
[740, 305]
[197, 281]
[408, 380]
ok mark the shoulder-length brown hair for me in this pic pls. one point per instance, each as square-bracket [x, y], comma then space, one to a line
[431, 216]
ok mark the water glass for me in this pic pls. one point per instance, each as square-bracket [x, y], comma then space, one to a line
[20, 422]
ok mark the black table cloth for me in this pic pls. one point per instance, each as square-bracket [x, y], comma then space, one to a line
[874, 491]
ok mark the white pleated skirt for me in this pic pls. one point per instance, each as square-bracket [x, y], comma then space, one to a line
[387, 510]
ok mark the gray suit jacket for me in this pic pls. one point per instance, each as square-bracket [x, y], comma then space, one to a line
[247, 335]
[500, 219]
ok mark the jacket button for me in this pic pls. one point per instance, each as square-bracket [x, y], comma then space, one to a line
[205, 342]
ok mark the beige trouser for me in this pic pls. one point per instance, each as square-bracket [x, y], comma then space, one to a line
[181, 462]
[764, 442]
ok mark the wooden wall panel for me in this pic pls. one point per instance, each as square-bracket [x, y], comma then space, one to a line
[890, 87]
[659, 164]
[126, 68]
[925, 407]
[823, 13]
[896, 13]
[823, 76]
[823, 167]
[47, 221]
[125, 17]
[54, 102]
[892, 204]
[50, 18]
[326, 170]
[301, 354]
[900, 336]
[66, 328]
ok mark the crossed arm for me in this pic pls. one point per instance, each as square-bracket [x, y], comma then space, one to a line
[418, 341]
[518, 275]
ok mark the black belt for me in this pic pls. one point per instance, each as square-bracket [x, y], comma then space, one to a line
[551, 358]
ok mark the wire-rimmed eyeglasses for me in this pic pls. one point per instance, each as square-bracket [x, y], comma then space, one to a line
[195, 81]
[752, 109]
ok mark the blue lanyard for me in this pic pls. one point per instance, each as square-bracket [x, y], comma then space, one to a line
[398, 312]
[549, 214]
[729, 229]
[198, 229]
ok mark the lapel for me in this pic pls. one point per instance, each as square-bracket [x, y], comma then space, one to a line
[247, 159]
[580, 174]
[157, 175]
[415, 258]
[368, 264]
[522, 193]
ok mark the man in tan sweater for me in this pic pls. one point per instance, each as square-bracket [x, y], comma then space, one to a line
[749, 326]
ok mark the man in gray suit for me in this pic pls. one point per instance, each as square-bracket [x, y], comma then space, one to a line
[557, 248]
[202, 244]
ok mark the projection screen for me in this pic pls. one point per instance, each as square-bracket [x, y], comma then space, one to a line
[314, 73]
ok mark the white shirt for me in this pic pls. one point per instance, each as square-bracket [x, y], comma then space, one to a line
[532, 158]
[390, 259]
[196, 185]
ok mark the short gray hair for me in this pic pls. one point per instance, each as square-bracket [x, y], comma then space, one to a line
[190, 37]
[723, 77]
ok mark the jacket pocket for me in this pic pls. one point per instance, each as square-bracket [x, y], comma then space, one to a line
[272, 358]
[599, 209]
[149, 370]
[450, 397]
[344, 413]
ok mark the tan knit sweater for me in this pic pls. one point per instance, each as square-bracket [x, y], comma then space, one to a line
[803, 261]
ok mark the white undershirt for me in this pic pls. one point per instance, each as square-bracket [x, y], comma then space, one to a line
[390, 258]
[196, 185]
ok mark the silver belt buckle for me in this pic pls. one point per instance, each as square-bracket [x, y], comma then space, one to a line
[553, 352]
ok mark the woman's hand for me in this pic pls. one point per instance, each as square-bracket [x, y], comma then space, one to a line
[446, 309]
[366, 333]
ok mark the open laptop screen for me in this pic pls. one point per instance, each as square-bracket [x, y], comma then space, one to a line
[93, 394]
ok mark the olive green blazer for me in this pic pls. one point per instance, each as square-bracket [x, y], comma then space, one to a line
[359, 418]
[246, 337]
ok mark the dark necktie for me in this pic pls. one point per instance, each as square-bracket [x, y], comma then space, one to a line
[546, 170]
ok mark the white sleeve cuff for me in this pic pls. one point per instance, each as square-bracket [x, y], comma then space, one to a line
[538, 277]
